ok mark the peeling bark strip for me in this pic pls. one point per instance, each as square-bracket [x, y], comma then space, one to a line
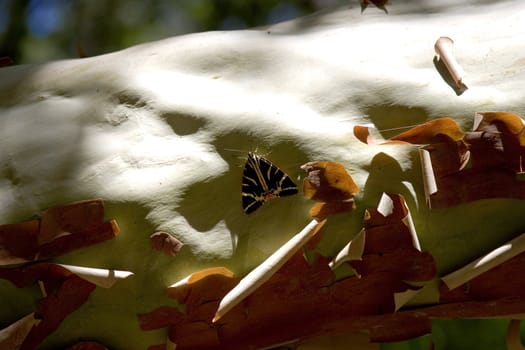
[306, 297]
[318, 305]
[486, 262]
[12, 336]
[59, 230]
[443, 49]
[459, 166]
[165, 243]
[65, 292]
[391, 215]
[487, 160]
[65, 288]
[330, 185]
[104, 278]
[266, 269]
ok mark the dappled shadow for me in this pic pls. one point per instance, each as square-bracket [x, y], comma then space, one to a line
[208, 203]
[183, 124]
[392, 119]
[387, 175]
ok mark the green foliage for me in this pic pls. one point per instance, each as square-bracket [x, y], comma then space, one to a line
[43, 30]
[487, 334]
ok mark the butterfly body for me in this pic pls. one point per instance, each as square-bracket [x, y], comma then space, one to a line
[261, 181]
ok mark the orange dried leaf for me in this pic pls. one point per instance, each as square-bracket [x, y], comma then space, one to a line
[437, 130]
[328, 182]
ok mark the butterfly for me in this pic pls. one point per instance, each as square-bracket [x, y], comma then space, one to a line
[262, 180]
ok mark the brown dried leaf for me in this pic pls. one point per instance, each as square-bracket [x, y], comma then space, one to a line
[328, 182]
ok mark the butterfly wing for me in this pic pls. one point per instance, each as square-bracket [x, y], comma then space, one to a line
[263, 180]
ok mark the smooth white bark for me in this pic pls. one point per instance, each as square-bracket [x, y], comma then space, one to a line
[150, 129]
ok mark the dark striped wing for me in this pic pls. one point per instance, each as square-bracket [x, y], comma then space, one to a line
[262, 180]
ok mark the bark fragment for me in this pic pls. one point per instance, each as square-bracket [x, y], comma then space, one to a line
[59, 230]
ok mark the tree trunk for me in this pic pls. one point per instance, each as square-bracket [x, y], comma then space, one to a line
[161, 132]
